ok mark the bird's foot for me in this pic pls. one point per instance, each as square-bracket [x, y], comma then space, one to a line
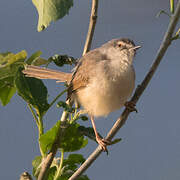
[130, 105]
[103, 143]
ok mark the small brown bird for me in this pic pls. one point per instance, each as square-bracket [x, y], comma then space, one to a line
[102, 81]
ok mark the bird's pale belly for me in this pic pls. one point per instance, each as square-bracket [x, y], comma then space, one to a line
[102, 98]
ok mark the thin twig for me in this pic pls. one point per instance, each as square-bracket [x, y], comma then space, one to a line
[48, 160]
[92, 24]
[139, 91]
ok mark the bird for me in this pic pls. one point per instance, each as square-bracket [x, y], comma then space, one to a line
[102, 81]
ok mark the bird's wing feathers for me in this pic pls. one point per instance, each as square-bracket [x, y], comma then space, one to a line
[85, 69]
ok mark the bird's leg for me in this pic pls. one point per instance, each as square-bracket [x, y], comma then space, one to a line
[102, 142]
[130, 105]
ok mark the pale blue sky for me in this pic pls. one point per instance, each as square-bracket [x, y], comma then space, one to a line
[150, 146]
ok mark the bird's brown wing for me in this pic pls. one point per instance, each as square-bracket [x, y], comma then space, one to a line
[84, 70]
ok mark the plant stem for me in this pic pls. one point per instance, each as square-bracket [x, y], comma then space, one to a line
[39, 123]
[59, 172]
[41, 128]
[33, 113]
[41, 131]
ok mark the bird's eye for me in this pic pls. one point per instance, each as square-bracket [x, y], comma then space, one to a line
[119, 45]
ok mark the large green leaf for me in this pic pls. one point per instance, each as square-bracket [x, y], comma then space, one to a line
[33, 91]
[51, 10]
[72, 139]
[7, 90]
[47, 139]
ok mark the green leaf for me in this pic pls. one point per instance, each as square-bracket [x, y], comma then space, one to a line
[33, 91]
[9, 63]
[72, 162]
[51, 10]
[7, 59]
[60, 60]
[33, 57]
[36, 168]
[115, 141]
[73, 140]
[40, 61]
[9, 71]
[66, 107]
[47, 139]
[70, 165]
[88, 131]
[36, 60]
[36, 165]
[7, 90]
[51, 173]
[2, 55]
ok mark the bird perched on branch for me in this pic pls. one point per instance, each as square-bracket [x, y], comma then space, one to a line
[102, 81]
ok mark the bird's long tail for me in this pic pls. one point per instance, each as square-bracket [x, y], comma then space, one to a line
[44, 73]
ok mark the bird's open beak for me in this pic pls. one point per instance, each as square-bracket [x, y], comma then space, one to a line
[136, 47]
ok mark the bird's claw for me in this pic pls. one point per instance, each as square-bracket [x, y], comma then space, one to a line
[103, 143]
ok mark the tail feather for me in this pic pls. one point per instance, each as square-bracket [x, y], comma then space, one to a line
[44, 73]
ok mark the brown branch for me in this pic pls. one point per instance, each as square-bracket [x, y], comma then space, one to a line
[49, 158]
[92, 24]
[139, 91]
